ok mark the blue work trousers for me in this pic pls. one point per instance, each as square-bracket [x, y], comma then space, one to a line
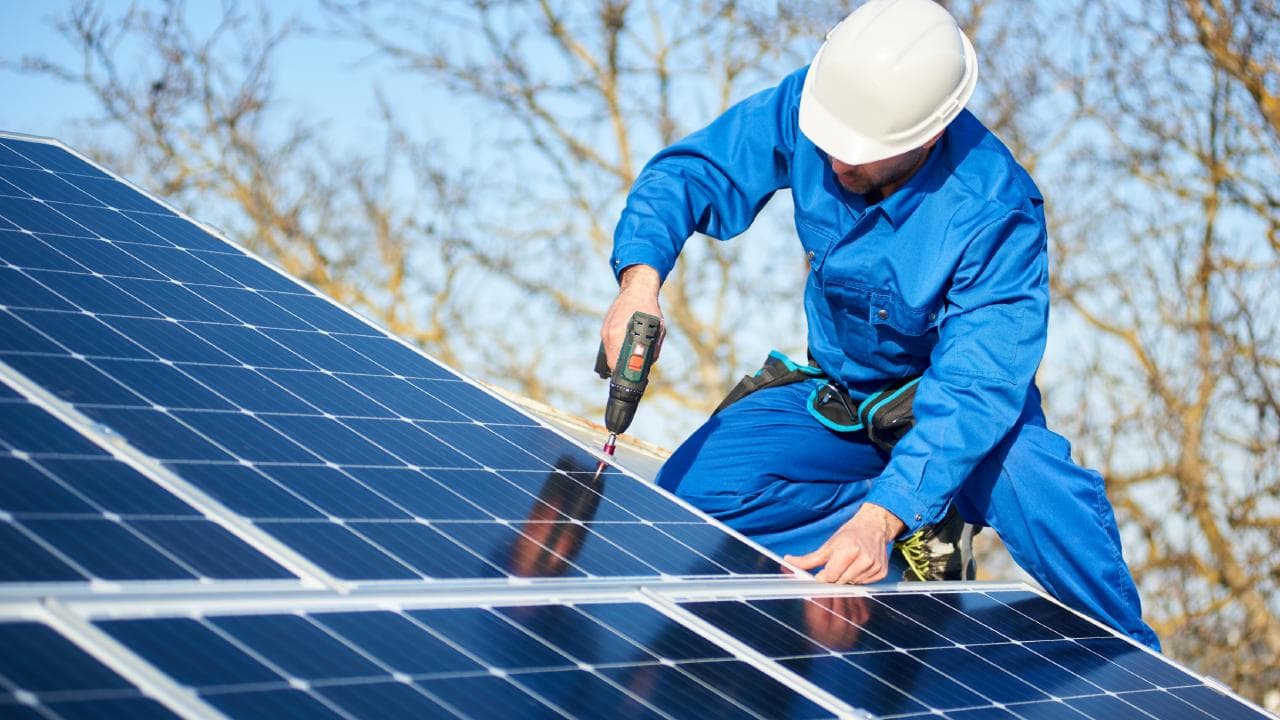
[765, 467]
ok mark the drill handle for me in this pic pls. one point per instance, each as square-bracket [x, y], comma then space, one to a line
[602, 363]
[643, 330]
[638, 352]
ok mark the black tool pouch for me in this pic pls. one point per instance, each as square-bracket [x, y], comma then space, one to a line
[778, 370]
[888, 414]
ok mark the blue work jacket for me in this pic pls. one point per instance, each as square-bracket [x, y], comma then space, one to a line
[947, 277]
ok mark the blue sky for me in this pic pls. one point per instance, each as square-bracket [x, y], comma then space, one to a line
[318, 75]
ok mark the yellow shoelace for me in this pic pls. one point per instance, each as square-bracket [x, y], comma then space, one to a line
[915, 553]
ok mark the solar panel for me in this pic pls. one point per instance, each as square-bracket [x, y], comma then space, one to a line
[677, 653]
[365, 457]
[222, 494]
[965, 654]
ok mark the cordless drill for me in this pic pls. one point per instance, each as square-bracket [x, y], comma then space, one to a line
[630, 374]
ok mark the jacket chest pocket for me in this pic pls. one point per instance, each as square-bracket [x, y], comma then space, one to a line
[816, 241]
[904, 332]
[878, 329]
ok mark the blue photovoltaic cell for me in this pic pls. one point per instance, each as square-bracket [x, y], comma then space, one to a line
[1049, 614]
[24, 559]
[438, 662]
[513, 551]
[22, 153]
[942, 619]
[41, 184]
[430, 551]
[36, 217]
[970, 670]
[75, 381]
[296, 413]
[101, 257]
[75, 333]
[108, 224]
[9, 157]
[402, 645]
[191, 652]
[297, 646]
[476, 697]
[757, 629]
[39, 660]
[94, 708]
[383, 701]
[1215, 703]
[341, 552]
[269, 704]
[174, 229]
[71, 512]
[22, 250]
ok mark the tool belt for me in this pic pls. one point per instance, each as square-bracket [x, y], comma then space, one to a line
[886, 414]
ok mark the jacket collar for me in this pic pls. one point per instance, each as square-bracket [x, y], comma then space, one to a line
[899, 206]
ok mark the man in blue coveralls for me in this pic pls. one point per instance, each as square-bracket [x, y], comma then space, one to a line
[927, 253]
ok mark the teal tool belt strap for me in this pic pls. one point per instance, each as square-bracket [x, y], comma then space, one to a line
[886, 414]
[778, 370]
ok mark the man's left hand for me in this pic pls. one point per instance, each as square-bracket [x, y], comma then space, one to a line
[858, 552]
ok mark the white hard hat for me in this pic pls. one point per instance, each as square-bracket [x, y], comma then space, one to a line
[888, 78]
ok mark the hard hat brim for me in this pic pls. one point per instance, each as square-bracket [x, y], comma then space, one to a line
[846, 144]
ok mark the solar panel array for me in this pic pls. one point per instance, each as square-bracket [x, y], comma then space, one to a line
[222, 494]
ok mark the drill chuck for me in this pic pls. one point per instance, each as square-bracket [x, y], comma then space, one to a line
[621, 409]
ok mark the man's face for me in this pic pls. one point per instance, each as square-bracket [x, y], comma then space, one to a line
[881, 176]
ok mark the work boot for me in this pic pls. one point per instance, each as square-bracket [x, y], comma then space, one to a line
[940, 552]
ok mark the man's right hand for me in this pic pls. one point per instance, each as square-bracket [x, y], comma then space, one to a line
[638, 292]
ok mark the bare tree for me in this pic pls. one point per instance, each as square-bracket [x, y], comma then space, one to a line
[1168, 263]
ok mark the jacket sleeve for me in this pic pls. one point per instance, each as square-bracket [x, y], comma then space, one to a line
[714, 181]
[991, 340]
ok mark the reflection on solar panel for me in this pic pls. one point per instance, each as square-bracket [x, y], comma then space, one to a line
[221, 494]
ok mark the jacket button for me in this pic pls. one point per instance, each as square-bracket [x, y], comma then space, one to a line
[882, 314]
[933, 316]
[811, 256]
